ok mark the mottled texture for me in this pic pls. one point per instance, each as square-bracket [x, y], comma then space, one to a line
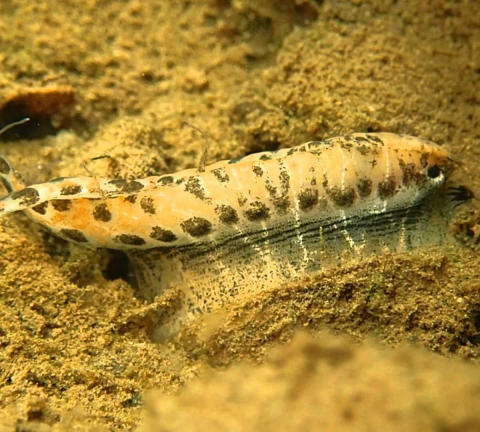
[252, 76]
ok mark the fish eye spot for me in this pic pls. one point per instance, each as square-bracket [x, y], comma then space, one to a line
[433, 171]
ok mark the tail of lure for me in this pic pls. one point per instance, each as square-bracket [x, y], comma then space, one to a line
[10, 179]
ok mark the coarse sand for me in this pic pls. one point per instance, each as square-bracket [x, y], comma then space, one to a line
[386, 343]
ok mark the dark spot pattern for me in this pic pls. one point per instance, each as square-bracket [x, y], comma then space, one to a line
[61, 205]
[197, 226]
[221, 175]
[126, 186]
[4, 166]
[258, 212]
[257, 170]
[409, 172]
[242, 200]
[363, 149]
[285, 180]
[71, 190]
[271, 189]
[234, 161]
[346, 145]
[163, 181]
[227, 214]
[101, 213]
[265, 157]
[364, 187]
[292, 151]
[307, 199]
[386, 188]
[163, 235]
[131, 198]
[316, 144]
[375, 139]
[41, 208]
[73, 234]
[280, 201]
[27, 196]
[360, 139]
[281, 204]
[147, 205]
[129, 239]
[342, 198]
[195, 187]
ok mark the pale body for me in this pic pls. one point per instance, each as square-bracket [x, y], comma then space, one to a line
[257, 222]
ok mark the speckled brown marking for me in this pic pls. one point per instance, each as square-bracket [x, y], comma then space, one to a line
[132, 199]
[166, 180]
[342, 198]
[375, 139]
[197, 226]
[235, 160]
[265, 157]
[315, 144]
[194, 186]
[386, 188]
[221, 175]
[258, 212]
[258, 170]
[409, 172]
[4, 166]
[242, 200]
[307, 199]
[271, 189]
[61, 205]
[73, 234]
[101, 213]
[346, 145]
[360, 139]
[41, 208]
[147, 205]
[71, 190]
[126, 186]
[282, 204]
[363, 150]
[130, 240]
[227, 214]
[285, 180]
[27, 196]
[162, 235]
[364, 187]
